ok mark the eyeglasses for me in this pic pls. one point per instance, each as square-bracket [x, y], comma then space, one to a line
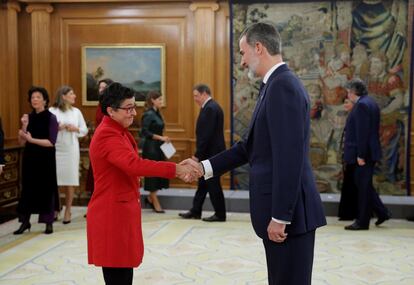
[129, 110]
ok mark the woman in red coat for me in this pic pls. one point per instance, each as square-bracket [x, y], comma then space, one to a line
[114, 213]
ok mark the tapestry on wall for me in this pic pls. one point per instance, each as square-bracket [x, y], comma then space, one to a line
[326, 44]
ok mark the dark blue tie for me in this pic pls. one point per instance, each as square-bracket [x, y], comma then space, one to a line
[261, 87]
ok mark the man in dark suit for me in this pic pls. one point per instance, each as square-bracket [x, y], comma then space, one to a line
[285, 206]
[210, 141]
[362, 149]
[2, 161]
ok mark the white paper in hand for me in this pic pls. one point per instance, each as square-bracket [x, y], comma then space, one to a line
[168, 149]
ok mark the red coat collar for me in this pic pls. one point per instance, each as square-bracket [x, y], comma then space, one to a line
[114, 124]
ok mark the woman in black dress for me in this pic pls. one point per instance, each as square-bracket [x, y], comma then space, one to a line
[152, 126]
[39, 185]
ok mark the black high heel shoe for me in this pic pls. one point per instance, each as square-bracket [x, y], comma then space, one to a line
[24, 226]
[65, 222]
[148, 203]
[49, 229]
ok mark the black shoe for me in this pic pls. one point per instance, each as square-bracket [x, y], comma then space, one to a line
[356, 227]
[214, 218]
[24, 226]
[189, 215]
[159, 211]
[65, 222]
[383, 219]
[411, 219]
[49, 229]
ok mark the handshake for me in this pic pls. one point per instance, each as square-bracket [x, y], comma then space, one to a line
[189, 170]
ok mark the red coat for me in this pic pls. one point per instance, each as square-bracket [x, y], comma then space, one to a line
[114, 212]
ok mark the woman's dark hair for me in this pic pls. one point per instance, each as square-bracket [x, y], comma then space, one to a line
[41, 90]
[59, 101]
[114, 95]
[108, 81]
[152, 95]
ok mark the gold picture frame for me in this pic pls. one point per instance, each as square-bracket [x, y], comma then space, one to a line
[140, 67]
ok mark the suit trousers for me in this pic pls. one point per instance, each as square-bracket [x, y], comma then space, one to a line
[211, 186]
[368, 199]
[348, 204]
[117, 276]
[290, 262]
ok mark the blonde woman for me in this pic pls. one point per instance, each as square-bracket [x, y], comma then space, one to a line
[71, 127]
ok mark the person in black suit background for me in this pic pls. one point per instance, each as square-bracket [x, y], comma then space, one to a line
[2, 161]
[362, 149]
[348, 204]
[285, 206]
[210, 141]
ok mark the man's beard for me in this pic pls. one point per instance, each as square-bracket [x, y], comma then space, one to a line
[251, 74]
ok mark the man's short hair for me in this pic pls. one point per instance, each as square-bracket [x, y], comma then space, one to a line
[201, 88]
[357, 86]
[264, 33]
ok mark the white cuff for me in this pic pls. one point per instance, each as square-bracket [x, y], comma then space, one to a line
[208, 170]
[281, 221]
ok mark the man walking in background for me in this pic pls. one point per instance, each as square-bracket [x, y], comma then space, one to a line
[210, 141]
[362, 149]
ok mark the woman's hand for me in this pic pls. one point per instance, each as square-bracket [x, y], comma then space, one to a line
[22, 134]
[165, 139]
[26, 136]
[25, 121]
[62, 127]
[72, 128]
[29, 137]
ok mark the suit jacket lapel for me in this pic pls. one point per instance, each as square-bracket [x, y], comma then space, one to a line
[262, 95]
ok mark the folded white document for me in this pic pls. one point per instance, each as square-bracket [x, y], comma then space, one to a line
[168, 149]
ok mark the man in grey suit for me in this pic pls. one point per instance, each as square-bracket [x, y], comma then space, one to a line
[210, 141]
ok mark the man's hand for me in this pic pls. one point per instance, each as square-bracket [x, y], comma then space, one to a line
[188, 170]
[361, 162]
[197, 170]
[1, 169]
[276, 232]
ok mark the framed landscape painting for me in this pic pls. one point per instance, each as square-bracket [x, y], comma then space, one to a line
[140, 67]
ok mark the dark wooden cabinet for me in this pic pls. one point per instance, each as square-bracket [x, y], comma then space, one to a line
[10, 182]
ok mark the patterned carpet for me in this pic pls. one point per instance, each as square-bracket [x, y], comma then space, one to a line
[195, 252]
